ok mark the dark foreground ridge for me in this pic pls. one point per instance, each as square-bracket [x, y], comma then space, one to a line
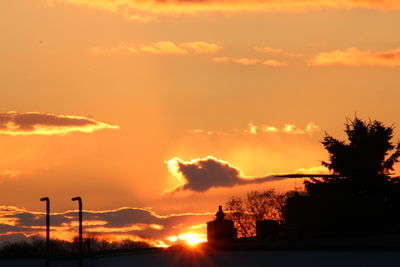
[205, 255]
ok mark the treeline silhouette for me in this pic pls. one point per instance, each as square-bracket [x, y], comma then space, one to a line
[92, 245]
[361, 197]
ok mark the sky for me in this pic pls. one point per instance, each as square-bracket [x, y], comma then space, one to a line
[156, 112]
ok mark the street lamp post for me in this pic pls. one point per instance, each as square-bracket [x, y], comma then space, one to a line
[79, 199]
[47, 228]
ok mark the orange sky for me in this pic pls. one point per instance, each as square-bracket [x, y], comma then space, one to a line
[96, 97]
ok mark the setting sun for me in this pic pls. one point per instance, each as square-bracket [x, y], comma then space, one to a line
[190, 239]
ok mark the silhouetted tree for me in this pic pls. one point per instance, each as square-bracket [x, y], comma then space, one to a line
[366, 153]
[363, 163]
[255, 206]
[361, 197]
[368, 156]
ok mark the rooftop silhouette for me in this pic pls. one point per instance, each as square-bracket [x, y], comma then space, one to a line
[220, 230]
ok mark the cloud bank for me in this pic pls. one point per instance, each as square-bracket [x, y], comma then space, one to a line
[133, 223]
[356, 57]
[36, 123]
[150, 10]
[200, 175]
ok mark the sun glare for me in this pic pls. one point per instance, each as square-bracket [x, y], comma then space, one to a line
[190, 239]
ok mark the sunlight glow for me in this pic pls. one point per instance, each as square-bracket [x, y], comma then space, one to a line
[190, 239]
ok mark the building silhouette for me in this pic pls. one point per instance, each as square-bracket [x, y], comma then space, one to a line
[220, 230]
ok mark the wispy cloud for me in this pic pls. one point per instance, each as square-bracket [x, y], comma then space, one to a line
[145, 11]
[202, 174]
[287, 128]
[356, 57]
[121, 47]
[277, 51]
[245, 61]
[9, 174]
[202, 47]
[162, 48]
[269, 50]
[273, 63]
[254, 129]
[249, 61]
[29, 123]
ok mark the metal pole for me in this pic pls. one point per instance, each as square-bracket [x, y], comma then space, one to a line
[47, 228]
[80, 227]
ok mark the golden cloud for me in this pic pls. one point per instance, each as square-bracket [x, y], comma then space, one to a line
[149, 10]
[273, 63]
[245, 61]
[202, 47]
[277, 51]
[355, 57]
[286, 128]
[249, 61]
[36, 123]
[254, 129]
[162, 48]
[241, 61]
[268, 50]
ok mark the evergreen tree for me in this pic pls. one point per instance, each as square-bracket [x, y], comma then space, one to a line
[360, 197]
[367, 152]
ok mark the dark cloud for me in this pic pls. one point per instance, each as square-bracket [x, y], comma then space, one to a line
[27, 123]
[6, 228]
[202, 174]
